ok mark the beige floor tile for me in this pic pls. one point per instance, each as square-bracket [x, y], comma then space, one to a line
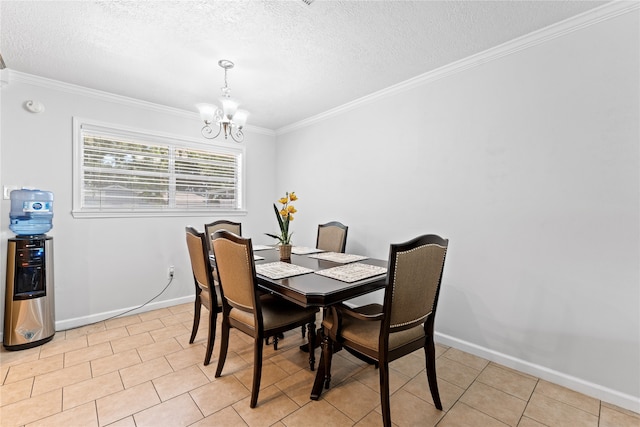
[150, 325]
[495, 403]
[232, 364]
[216, 395]
[169, 332]
[555, 413]
[107, 335]
[293, 359]
[177, 412]
[316, 411]
[155, 314]
[16, 391]
[409, 410]
[181, 308]
[114, 362]
[134, 341]
[145, 371]
[467, 359]
[84, 330]
[635, 414]
[297, 386]
[227, 417]
[33, 368]
[87, 354]
[32, 409]
[409, 365]
[528, 422]
[162, 348]
[62, 346]
[372, 419]
[455, 372]
[125, 403]
[610, 417]
[124, 422]
[271, 374]
[119, 322]
[182, 358]
[61, 378]
[449, 393]
[273, 405]
[370, 376]
[83, 415]
[179, 382]
[509, 381]
[570, 397]
[11, 358]
[353, 399]
[184, 318]
[89, 390]
[462, 415]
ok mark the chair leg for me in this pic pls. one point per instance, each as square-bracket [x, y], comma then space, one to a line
[224, 345]
[327, 354]
[384, 393]
[257, 371]
[211, 338]
[312, 345]
[196, 320]
[302, 330]
[430, 356]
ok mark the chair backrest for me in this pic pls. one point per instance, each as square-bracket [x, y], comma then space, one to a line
[236, 270]
[223, 224]
[414, 277]
[199, 255]
[332, 237]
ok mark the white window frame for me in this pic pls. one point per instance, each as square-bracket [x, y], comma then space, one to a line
[172, 142]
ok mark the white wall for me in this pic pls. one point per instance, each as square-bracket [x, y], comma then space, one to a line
[103, 266]
[529, 165]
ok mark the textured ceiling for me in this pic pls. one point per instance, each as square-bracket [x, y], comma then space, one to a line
[293, 61]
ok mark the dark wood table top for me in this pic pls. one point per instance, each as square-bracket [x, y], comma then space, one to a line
[314, 290]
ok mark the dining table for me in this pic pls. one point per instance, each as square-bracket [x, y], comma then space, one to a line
[317, 279]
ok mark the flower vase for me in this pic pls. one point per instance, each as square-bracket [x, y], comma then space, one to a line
[285, 252]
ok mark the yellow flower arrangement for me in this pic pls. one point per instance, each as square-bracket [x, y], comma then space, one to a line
[284, 216]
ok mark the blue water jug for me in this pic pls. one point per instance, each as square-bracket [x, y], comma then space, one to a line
[31, 212]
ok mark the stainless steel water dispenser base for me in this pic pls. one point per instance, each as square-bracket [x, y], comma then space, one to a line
[29, 315]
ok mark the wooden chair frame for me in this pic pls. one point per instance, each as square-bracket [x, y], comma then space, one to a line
[210, 298]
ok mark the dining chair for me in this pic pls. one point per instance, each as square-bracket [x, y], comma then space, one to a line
[222, 224]
[403, 324]
[207, 293]
[332, 237]
[243, 307]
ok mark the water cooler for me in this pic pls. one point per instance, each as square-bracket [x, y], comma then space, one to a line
[29, 309]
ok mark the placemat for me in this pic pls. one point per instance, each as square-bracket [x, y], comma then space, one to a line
[303, 250]
[261, 247]
[280, 270]
[338, 257]
[353, 272]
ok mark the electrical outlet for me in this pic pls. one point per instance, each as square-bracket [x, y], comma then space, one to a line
[171, 271]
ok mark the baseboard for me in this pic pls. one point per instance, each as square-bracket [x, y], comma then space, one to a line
[63, 325]
[597, 391]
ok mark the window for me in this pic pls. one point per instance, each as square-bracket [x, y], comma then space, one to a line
[122, 172]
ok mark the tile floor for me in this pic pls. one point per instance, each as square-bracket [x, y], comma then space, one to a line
[140, 370]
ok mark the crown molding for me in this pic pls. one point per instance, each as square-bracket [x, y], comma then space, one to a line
[559, 29]
[30, 79]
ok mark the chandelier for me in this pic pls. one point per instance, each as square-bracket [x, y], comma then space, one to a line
[229, 118]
